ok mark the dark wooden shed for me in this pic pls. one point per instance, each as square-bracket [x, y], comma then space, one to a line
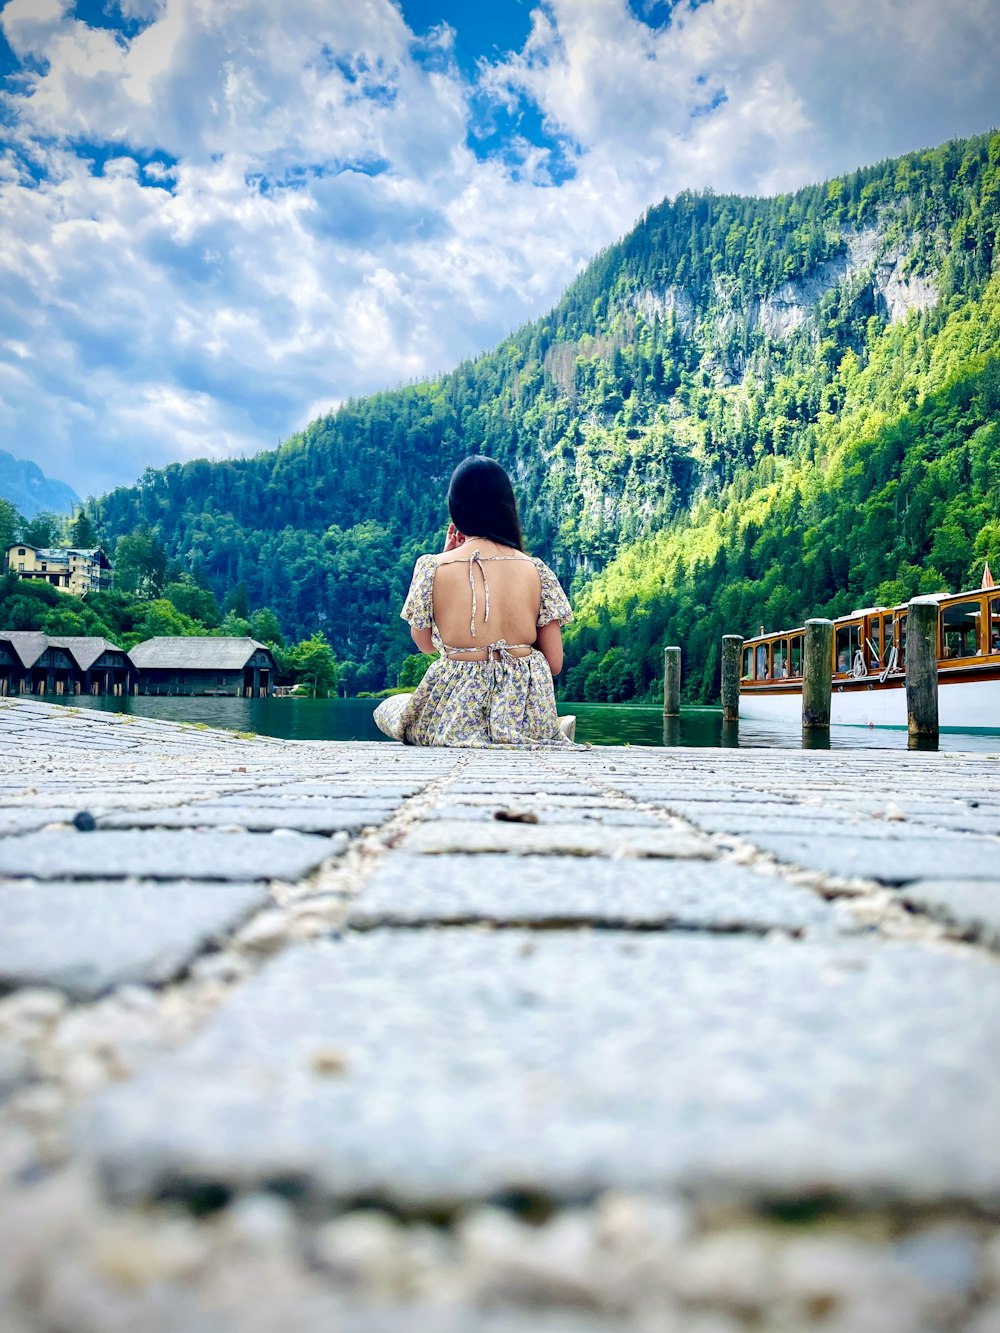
[101, 666]
[204, 665]
[30, 663]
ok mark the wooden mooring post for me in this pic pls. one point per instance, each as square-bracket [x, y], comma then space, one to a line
[671, 682]
[817, 674]
[922, 667]
[732, 647]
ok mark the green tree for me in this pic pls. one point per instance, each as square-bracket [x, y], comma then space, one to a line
[315, 665]
[193, 600]
[238, 601]
[160, 617]
[44, 530]
[10, 522]
[82, 533]
[265, 628]
[140, 563]
[234, 626]
[413, 670]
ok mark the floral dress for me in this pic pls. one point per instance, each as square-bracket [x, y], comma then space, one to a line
[506, 700]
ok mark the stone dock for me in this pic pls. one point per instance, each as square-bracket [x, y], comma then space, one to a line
[323, 1036]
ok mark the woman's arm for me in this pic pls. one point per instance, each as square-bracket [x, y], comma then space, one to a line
[549, 644]
[422, 638]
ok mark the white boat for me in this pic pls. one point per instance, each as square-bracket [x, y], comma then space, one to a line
[869, 667]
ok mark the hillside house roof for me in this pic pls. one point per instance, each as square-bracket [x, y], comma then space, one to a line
[195, 653]
[62, 554]
[84, 649]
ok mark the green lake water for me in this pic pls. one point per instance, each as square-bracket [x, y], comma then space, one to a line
[600, 724]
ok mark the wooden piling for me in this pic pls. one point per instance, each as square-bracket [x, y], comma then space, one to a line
[922, 667]
[817, 673]
[732, 646]
[671, 682]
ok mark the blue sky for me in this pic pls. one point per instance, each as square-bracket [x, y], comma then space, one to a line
[221, 219]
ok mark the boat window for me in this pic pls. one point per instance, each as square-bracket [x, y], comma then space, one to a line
[901, 664]
[779, 657]
[874, 644]
[960, 629]
[995, 624]
[888, 639]
[848, 643]
[763, 672]
[795, 655]
[747, 664]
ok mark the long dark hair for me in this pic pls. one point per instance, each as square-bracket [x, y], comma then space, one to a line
[481, 502]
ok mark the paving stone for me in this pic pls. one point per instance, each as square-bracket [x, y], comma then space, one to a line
[466, 1319]
[492, 800]
[318, 818]
[164, 854]
[475, 1063]
[85, 938]
[15, 1066]
[579, 839]
[538, 785]
[971, 905]
[282, 798]
[26, 820]
[898, 858]
[747, 819]
[973, 821]
[359, 789]
[536, 890]
[660, 793]
[545, 814]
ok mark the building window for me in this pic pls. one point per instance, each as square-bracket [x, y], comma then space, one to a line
[21, 551]
[20, 566]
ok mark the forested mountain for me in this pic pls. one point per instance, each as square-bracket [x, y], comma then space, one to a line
[747, 411]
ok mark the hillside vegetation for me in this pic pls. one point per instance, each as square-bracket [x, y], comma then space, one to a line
[747, 411]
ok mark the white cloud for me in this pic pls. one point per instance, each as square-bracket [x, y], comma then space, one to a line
[312, 223]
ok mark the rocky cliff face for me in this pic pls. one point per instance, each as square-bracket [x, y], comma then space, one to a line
[867, 255]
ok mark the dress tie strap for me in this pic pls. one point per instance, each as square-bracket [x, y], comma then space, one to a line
[476, 559]
[498, 655]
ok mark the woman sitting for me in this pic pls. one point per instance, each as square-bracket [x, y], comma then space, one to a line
[495, 616]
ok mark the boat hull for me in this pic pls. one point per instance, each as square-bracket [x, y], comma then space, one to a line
[964, 704]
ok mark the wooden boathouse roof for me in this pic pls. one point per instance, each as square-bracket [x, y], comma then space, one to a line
[27, 644]
[195, 653]
[84, 649]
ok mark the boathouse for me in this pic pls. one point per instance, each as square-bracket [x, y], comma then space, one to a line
[36, 663]
[204, 665]
[101, 666]
[31, 664]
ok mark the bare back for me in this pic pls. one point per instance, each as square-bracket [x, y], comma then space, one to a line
[513, 599]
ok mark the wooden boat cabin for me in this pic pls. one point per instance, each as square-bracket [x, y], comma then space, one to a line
[869, 666]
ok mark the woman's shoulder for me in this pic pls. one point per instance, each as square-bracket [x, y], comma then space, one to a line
[542, 568]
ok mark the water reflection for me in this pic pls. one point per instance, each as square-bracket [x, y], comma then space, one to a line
[600, 724]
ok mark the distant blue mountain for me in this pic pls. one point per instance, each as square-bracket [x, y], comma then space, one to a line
[29, 490]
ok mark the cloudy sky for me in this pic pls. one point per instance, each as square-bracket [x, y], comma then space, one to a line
[222, 217]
